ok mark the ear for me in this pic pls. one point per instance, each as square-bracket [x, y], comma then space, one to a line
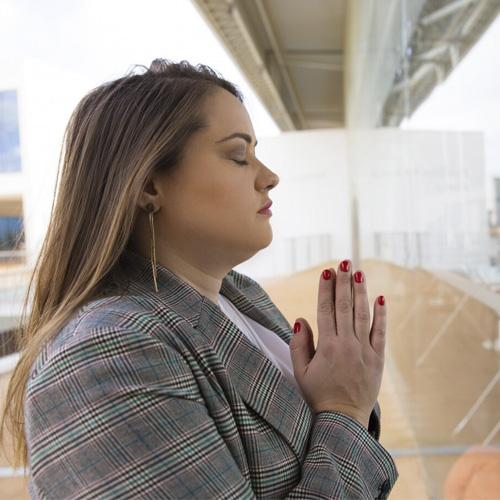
[150, 196]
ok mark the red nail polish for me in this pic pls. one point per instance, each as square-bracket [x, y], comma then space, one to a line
[358, 277]
[296, 327]
[327, 274]
[381, 300]
[344, 266]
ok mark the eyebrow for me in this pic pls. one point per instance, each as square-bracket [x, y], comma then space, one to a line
[241, 135]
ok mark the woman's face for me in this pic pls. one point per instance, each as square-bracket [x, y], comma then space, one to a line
[215, 203]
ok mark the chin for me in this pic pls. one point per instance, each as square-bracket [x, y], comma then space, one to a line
[258, 245]
[266, 240]
[270, 240]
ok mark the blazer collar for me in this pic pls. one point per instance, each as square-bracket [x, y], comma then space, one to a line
[186, 301]
[258, 382]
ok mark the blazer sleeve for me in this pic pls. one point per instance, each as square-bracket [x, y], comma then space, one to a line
[119, 414]
[344, 461]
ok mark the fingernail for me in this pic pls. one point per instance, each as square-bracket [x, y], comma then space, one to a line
[381, 300]
[296, 327]
[327, 274]
[358, 277]
[344, 266]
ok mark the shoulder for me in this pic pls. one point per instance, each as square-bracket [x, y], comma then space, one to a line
[113, 361]
[111, 351]
[127, 313]
[109, 329]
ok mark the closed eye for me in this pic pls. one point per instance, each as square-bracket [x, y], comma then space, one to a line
[241, 162]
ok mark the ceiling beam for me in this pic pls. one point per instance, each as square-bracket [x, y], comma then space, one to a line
[278, 53]
[309, 62]
[419, 75]
[226, 20]
[471, 20]
[435, 52]
[445, 11]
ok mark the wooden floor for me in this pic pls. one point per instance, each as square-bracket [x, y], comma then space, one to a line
[440, 394]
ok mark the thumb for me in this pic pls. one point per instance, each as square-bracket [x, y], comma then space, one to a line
[301, 347]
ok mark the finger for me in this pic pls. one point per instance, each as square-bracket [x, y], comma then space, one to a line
[361, 307]
[301, 347]
[378, 331]
[310, 339]
[343, 299]
[326, 304]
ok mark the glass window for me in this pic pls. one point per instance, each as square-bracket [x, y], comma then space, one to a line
[10, 229]
[10, 156]
[423, 151]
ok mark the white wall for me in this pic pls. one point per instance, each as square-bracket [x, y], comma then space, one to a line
[421, 199]
[312, 215]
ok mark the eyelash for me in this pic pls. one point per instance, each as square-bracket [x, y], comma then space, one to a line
[241, 162]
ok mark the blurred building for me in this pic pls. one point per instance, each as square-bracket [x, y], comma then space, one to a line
[36, 101]
[11, 213]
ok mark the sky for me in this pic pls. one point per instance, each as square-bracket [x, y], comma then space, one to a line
[103, 39]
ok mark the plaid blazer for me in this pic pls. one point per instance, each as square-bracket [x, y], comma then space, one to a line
[159, 395]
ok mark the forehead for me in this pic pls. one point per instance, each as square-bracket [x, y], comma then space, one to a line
[225, 113]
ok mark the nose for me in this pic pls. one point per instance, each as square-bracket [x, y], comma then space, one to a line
[269, 180]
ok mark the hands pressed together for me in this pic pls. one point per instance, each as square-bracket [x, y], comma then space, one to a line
[344, 372]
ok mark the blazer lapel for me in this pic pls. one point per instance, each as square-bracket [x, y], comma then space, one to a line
[252, 300]
[258, 382]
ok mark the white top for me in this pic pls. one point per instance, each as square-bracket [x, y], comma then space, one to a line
[270, 344]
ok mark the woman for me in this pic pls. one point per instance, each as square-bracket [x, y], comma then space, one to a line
[149, 369]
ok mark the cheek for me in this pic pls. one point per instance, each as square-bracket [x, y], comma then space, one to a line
[224, 194]
[210, 205]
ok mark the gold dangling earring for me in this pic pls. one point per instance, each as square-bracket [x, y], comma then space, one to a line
[151, 210]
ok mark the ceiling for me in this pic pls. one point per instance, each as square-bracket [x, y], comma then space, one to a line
[301, 56]
[445, 33]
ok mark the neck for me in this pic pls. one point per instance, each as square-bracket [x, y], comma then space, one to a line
[207, 283]
[203, 269]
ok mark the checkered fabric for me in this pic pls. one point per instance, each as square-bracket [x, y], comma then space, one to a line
[159, 395]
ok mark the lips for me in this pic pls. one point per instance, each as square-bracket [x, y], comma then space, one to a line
[266, 209]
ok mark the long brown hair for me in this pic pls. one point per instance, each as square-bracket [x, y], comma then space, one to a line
[119, 134]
